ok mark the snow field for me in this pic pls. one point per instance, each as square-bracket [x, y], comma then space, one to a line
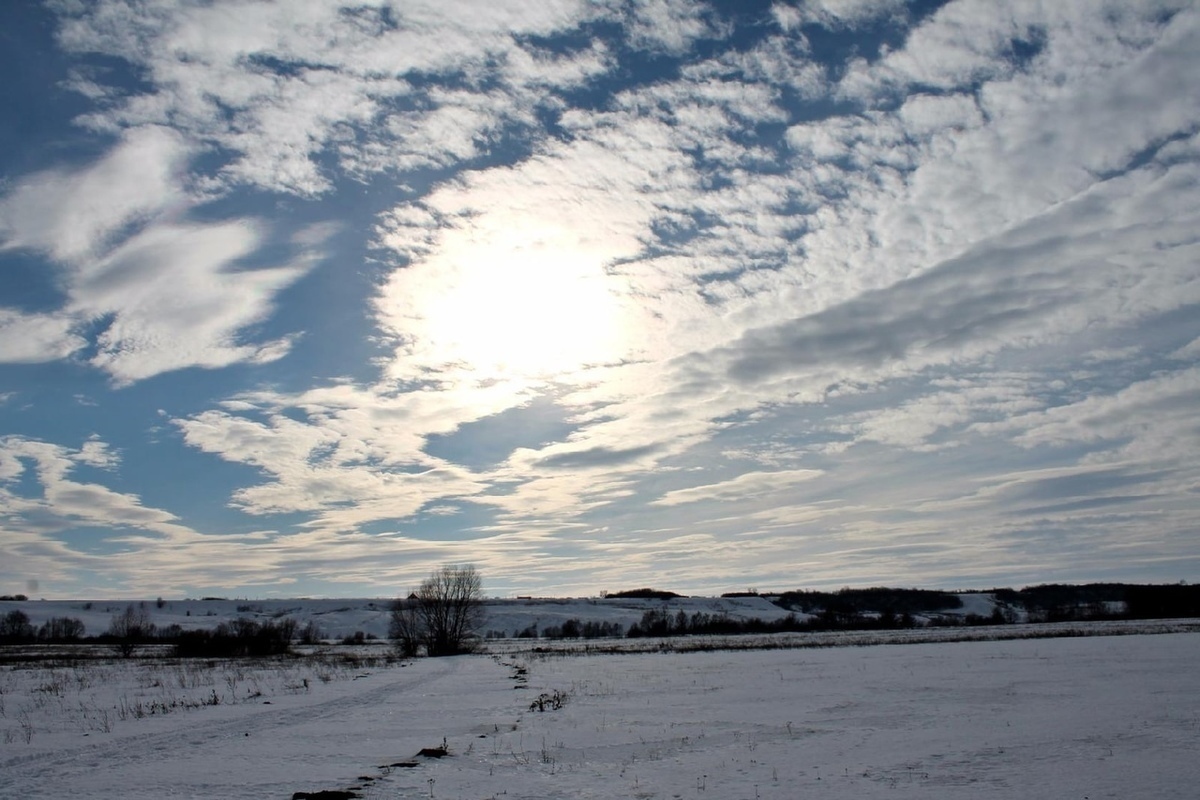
[45, 699]
[1101, 717]
[1088, 717]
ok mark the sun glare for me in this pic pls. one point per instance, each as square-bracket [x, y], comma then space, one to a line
[529, 304]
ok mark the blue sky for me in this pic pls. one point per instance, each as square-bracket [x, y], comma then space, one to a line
[309, 298]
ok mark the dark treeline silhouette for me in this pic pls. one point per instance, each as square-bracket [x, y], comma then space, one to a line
[886, 608]
[15, 628]
[234, 639]
[239, 637]
[643, 594]
[575, 629]
[662, 622]
[877, 599]
[1056, 602]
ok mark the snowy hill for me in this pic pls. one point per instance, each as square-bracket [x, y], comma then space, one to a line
[342, 617]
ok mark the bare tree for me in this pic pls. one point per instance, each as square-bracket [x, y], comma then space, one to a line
[130, 628]
[406, 628]
[441, 615]
[15, 627]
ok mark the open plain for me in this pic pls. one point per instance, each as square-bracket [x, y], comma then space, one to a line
[1080, 717]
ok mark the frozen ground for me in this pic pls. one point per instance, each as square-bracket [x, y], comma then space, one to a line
[1096, 717]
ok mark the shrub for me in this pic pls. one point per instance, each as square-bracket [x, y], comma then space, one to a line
[311, 633]
[130, 628]
[551, 701]
[238, 638]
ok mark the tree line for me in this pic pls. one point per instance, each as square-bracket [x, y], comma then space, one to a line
[132, 628]
[444, 614]
[15, 628]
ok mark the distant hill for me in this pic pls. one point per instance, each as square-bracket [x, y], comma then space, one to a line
[616, 614]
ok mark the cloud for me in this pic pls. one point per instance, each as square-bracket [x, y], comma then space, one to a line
[353, 457]
[1149, 421]
[596, 457]
[143, 549]
[175, 300]
[279, 88]
[669, 26]
[838, 13]
[937, 233]
[32, 338]
[73, 214]
[64, 501]
[745, 486]
[158, 293]
[938, 419]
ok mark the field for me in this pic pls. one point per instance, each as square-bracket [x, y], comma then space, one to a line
[1082, 717]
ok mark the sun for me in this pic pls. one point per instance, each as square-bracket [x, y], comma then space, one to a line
[528, 302]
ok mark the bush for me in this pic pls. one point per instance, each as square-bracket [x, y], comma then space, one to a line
[130, 628]
[311, 633]
[238, 638]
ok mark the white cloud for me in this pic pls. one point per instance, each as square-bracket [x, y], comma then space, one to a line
[164, 293]
[842, 13]
[937, 420]
[32, 338]
[176, 301]
[668, 25]
[356, 457]
[279, 86]
[786, 16]
[66, 502]
[1149, 420]
[74, 214]
[748, 485]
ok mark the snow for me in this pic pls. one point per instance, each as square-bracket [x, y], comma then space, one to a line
[1098, 716]
[338, 618]
[510, 616]
[335, 617]
[977, 603]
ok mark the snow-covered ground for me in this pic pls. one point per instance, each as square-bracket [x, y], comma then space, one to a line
[1102, 716]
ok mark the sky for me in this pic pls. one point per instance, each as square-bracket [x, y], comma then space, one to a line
[309, 298]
